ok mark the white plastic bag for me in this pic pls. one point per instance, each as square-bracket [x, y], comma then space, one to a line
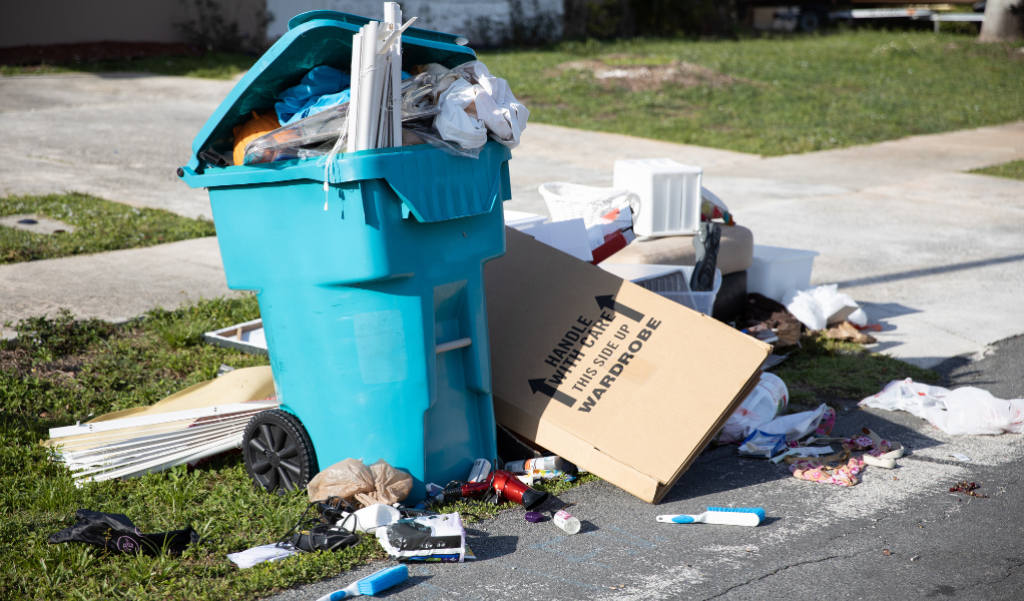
[796, 425]
[768, 398]
[480, 104]
[573, 201]
[906, 395]
[975, 411]
[817, 308]
[965, 410]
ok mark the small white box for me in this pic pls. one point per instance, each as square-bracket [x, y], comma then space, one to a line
[776, 270]
[670, 281]
[669, 195]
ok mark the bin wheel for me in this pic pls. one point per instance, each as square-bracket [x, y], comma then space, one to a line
[278, 453]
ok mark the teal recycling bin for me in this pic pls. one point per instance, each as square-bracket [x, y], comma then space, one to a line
[373, 304]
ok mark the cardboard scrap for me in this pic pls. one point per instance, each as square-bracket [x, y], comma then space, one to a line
[622, 382]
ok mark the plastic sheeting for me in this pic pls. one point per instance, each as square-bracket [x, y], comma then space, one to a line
[965, 410]
[478, 105]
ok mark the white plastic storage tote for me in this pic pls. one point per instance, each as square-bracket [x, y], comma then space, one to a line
[669, 195]
[775, 270]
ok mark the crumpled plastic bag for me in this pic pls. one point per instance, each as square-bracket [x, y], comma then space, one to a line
[906, 395]
[796, 425]
[389, 485]
[761, 406]
[820, 307]
[478, 104]
[318, 82]
[965, 410]
[351, 480]
[975, 411]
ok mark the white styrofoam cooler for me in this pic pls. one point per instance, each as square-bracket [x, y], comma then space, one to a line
[669, 194]
[670, 281]
[776, 270]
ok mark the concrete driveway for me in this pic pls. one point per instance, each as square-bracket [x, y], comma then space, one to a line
[937, 255]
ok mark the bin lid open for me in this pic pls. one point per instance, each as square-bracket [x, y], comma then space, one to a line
[315, 38]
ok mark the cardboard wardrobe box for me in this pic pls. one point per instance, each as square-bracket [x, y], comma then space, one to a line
[617, 379]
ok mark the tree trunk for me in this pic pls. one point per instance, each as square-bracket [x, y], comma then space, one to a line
[1003, 21]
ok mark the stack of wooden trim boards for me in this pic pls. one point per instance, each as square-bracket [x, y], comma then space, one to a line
[615, 378]
[198, 422]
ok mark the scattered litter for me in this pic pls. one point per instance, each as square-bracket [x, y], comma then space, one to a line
[762, 444]
[960, 457]
[480, 470]
[831, 470]
[368, 519]
[820, 307]
[372, 584]
[965, 410]
[533, 516]
[565, 521]
[115, 532]
[769, 398]
[729, 516]
[848, 332]
[915, 558]
[434, 538]
[796, 426]
[886, 552]
[968, 488]
[843, 475]
[263, 553]
[763, 313]
[552, 462]
[501, 485]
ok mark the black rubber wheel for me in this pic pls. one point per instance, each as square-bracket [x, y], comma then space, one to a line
[278, 453]
[810, 21]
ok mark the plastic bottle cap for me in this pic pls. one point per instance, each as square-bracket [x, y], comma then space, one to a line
[534, 516]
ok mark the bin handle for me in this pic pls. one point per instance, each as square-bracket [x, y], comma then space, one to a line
[444, 347]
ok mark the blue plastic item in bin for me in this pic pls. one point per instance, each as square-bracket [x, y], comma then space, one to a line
[374, 308]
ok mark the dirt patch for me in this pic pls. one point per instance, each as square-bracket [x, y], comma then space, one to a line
[648, 77]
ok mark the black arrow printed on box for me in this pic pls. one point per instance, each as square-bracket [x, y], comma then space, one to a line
[540, 385]
[604, 302]
[608, 302]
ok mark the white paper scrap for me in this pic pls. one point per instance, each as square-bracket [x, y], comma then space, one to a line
[257, 555]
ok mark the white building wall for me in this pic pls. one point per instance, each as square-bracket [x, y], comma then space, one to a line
[450, 16]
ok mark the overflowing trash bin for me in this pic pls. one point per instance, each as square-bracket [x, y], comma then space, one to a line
[369, 283]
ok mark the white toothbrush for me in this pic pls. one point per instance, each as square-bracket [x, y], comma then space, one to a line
[729, 516]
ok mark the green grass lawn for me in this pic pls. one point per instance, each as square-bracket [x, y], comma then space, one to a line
[774, 96]
[60, 371]
[100, 225]
[210, 66]
[1013, 170]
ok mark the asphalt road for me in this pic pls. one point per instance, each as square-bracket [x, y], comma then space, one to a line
[898, 535]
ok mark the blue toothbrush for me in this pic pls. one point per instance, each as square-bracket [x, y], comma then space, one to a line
[730, 516]
[371, 585]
